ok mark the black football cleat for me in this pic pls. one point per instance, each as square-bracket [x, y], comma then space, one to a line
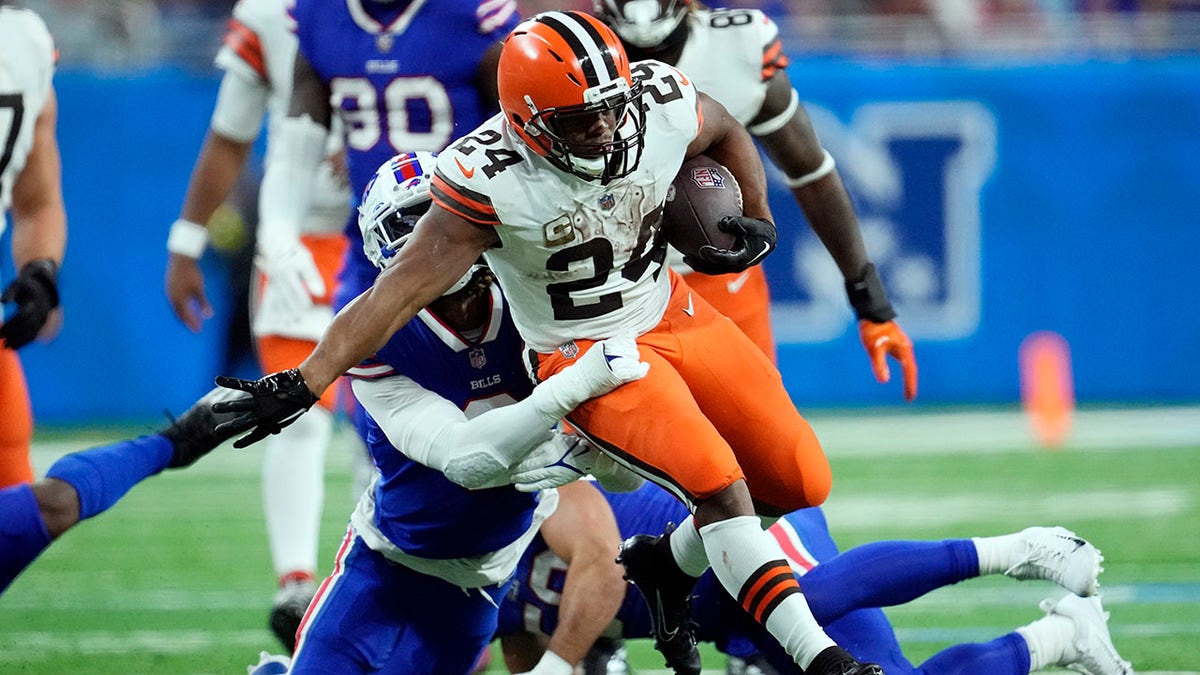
[291, 602]
[606, 657]
[668, 594]
[837, 661]
[194, 433]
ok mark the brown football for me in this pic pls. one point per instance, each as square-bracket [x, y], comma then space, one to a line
[703, 193]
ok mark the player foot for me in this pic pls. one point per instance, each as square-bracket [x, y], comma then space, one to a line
[606, 657]
[668, 594]
[837, 661]
[194, 433]
[270, 664]
[1059, 555]
[1091, 650]
[291, 601]
[751, 665]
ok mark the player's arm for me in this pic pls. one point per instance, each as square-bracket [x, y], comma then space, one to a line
[583, 532]
[39, 235]
[787, 134]
[478, 452]
[237, 117]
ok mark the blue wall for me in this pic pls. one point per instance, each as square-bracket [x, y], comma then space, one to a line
[998, 201]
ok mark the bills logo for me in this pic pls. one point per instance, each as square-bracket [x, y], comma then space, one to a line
[708, 177]
[915, 172]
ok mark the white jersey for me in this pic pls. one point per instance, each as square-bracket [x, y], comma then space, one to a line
[27, 59]
[260, 47]
[578, 258]
[730, 54]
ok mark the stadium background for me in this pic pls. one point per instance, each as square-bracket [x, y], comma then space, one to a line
[1035, 172]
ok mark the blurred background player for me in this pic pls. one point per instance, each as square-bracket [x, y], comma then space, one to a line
[290, 299]
[31, 192]
[845, 592]
[736, 57]
[85, 484]
[435, 537]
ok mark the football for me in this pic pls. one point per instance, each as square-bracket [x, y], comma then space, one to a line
[703, 193]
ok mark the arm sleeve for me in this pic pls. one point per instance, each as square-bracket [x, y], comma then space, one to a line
[241, 104]
[287, 185]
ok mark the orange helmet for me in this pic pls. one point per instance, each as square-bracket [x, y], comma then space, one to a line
[565, 87]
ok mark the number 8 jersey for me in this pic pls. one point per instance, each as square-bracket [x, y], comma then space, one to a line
[578, 258]
[27, 58]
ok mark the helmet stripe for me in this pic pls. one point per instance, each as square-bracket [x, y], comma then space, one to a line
[586, 42]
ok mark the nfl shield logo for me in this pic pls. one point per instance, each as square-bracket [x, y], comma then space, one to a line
[708, 177]
[570, 350]
[478, 357]
[608, 201]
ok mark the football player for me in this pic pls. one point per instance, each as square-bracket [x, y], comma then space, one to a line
[563, 192]
[290, 304]
[31, 190]
[844, 590]
[451, 410]
[735, 56]
[84, 484]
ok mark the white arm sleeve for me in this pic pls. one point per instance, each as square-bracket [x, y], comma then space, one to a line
[287, 185]
[241, 104]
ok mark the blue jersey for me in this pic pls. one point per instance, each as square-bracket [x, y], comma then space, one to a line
[417, 508]
[402, 76]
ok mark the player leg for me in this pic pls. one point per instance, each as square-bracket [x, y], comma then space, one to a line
[294, 459]
[23, 533]
[744, 298]
[372, 615]
[16, 422]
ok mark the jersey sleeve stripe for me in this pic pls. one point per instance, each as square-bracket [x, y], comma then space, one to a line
[493, 14]
[468, 204]
[773, 59]
[245, 43]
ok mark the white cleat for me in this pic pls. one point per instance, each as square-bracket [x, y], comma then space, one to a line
[1059, 555]
[1091, 650]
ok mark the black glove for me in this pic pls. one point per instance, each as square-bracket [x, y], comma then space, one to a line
[275, 401]
[35, 292]
[756, 238]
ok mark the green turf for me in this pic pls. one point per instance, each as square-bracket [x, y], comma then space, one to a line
[176, 579]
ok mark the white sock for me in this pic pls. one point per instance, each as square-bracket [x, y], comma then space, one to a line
[742, 554]
[997, 554]
[688, 548]
[293, 490]
[1047, 639]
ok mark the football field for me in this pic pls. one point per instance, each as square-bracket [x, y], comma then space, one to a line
[176, 577]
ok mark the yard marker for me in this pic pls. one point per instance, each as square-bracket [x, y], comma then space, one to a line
[1047, 390]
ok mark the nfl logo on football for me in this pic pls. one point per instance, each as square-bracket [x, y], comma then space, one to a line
[708, 177]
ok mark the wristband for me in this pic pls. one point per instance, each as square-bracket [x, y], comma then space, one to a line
[777, 122]
[820, 172]
[45, 271]
[552, 664]
[187, 239]
[868, 298]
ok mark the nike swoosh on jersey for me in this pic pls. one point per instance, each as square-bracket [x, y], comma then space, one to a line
[736, 285]
[465, 171]
[689, 310]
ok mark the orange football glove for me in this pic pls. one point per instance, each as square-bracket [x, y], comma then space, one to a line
[884, 339]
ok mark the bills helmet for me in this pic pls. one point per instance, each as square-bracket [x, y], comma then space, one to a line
[566, 89]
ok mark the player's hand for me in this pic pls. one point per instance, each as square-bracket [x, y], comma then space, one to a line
[888, 339]
[293, 279]
[756, 238]
[609, 364]
[185, 290]
[563, 459]
[35, 293]
[275, 401]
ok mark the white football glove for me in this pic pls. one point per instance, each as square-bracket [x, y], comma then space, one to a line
[606, 366]
[270, 664]
[566, 458]
[293, 279]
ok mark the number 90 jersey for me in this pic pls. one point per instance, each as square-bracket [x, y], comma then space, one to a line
[27, 58]
[578, 258]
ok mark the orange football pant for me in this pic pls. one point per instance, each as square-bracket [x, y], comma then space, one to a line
[743, 297]
[712, 410]
[16, 422]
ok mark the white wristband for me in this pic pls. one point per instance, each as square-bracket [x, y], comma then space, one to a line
[825, 169]
[187, 238]
[552, 664]
[777, 122]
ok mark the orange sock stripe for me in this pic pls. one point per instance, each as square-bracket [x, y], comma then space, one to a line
[761, 592]
[775, 595]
